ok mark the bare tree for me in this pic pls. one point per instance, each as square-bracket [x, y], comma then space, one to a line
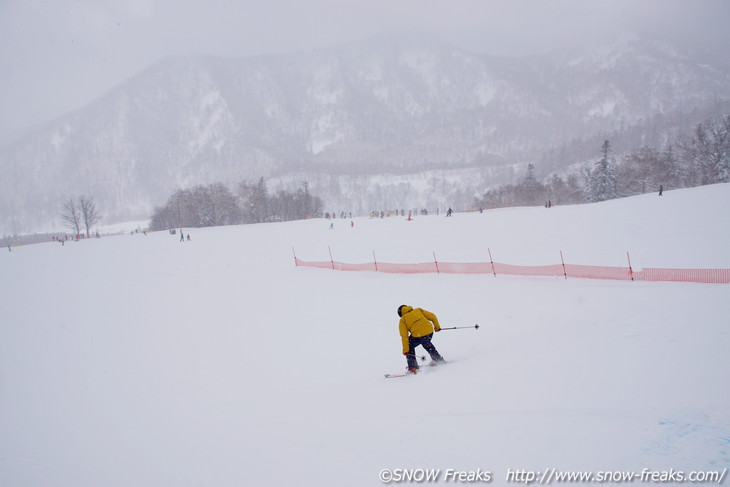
[89, 213]
[255, 202]
[71, 216]
[640, 171]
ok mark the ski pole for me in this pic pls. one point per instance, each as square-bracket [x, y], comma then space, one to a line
[460, 327]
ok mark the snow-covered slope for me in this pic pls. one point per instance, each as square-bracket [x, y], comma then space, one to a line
[143, 360]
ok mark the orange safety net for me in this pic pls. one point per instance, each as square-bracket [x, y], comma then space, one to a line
[721, 276]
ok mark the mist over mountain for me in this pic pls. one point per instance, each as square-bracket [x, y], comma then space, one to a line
[384, 123]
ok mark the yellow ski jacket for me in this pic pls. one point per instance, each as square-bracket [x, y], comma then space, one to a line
[418, 322]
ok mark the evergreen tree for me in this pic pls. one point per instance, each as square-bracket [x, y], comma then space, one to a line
[306, 204]
[601, 184]
[531, 190]
[670, 173]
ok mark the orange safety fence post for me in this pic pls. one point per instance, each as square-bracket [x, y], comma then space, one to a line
[375, 261]
[437, 263]
[295, 256]
[331, 259]
[491, 261]
[631, 271]
[563, 261]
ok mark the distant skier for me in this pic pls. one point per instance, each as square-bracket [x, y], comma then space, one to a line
[449, 212]
[661, 189]
[416, 328]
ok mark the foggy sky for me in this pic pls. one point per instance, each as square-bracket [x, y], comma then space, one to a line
[58, 55]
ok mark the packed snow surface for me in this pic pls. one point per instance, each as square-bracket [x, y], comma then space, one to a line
[142, 360]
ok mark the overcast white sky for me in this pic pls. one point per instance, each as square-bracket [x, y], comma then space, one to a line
[58, 55]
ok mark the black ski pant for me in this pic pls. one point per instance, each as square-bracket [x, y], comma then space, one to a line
[425, 341]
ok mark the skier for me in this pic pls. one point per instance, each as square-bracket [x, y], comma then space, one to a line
[449, 212]
[416, 328]
[661, 189]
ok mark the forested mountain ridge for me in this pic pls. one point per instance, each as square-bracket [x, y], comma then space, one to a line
[376, 124]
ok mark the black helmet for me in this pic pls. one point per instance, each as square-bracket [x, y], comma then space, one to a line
[400, 308]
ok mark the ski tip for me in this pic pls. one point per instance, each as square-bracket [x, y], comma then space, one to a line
[393, 376]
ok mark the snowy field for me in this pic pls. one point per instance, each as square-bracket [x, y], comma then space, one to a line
[139, 360]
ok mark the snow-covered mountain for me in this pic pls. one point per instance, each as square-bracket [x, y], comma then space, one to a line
[371, 125]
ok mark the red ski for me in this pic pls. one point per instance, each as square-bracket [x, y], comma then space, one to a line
[393, 376]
